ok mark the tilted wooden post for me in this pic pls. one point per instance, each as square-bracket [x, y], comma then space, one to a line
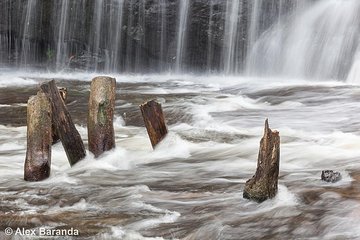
[264, 184]
[101, 114]
[39, 138]
[69, 136]
[55, 136]
[154, 121]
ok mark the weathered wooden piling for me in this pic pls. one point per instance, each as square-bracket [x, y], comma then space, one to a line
[101, 114]
[154, 121]
[63, 94]
[64, 126]
[39, 138]
[264, 184]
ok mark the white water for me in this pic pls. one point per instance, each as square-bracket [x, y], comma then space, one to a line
[191, 185]
[317, 42]
[231, 35]
[61, 47]
[26, 48]
[181, 38]
[163, 37]
[354, 74]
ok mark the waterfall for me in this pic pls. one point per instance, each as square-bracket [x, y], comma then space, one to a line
[231, 36]
[181, 38]
[253, 28]
[116, 10]
[210, 36]
[61, 50]
[317, 43]
[28, 49]
[163, 37]
[129, 33]
[354, 74]
[313, 39]
[95, 36]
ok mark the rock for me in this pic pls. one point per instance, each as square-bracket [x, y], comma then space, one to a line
[330, 176]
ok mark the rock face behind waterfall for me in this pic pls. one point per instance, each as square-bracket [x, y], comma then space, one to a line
[127, 35]
[231, 37]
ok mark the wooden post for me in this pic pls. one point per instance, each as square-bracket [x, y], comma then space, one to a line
[264, 184]
[63, 94]
[39, 139]
[69, 136]
[101, 114]
[154, 121]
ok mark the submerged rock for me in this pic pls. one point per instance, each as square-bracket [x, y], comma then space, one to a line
[330, 176]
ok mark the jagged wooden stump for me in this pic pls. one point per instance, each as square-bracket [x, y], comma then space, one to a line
[39, 138]
[264, 184]
[154, 121]
[101, 114]
[64, 126]
[55, 136]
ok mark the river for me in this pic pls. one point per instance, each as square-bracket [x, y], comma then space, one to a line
[191, 185]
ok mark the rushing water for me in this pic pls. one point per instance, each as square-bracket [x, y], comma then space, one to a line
[191, 186]
[296, 62]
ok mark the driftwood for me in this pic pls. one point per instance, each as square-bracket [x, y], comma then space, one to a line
[69, 136]
[154, 121]
[101, 114]
[264, 184]
[55, 136]
[39, 139]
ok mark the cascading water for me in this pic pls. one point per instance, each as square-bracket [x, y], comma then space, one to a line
[231, 37]
[61, 50]
[253, 59]
[317, 43]
[115, 43]
[182, 30]
[163, 37]
[28, 49]
[354, 74]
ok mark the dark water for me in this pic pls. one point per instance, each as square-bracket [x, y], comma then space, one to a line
[191, 186]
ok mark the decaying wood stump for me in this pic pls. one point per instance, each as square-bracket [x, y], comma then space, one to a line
[264, 184]
[55, 136]
[39, 138]
[101, 114]
[154, 121]
[69, 136]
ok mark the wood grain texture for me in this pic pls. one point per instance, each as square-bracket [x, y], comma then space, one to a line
[65, 128]
[101, 115]
[154, 121]
[39, 138]
[264, 184]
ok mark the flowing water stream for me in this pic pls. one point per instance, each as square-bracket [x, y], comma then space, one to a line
[219, 69]
[191, 186]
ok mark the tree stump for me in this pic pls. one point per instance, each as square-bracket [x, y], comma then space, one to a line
[154, 121]
[39, 138]
[64, 126]
[63, 94]
[101, 114]
[264, 184]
